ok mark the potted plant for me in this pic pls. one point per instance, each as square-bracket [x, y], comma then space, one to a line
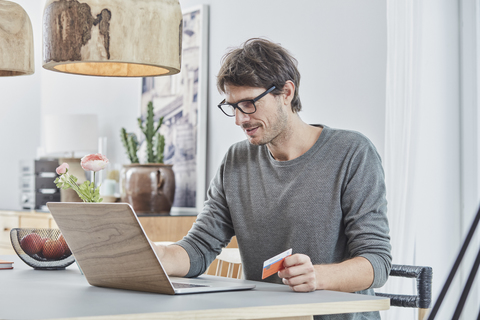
[148, 187]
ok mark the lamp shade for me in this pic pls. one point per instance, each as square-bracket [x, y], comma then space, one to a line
[70, 133]
[128, 38]
[16, 41]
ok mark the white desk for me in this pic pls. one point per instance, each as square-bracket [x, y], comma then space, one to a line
[26, 293]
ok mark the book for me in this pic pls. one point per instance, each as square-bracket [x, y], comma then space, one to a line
[5, 264]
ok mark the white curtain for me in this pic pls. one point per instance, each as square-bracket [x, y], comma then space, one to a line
[470, 95]
[402, 105]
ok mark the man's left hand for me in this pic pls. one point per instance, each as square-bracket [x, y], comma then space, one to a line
[299, 273]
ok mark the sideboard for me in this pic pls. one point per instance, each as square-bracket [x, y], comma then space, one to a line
[21, 219]
[158, 228]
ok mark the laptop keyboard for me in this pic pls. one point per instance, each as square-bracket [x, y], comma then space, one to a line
[178, 285]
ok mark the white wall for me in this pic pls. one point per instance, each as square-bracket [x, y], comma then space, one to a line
[116, 101]
[470, 113]
[19, 116]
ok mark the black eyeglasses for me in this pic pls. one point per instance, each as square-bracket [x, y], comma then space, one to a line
[245, 106]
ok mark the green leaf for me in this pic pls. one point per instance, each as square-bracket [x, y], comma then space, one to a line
[86, 191]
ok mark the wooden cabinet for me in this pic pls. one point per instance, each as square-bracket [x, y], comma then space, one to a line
[167, 228]
[36, 220]
[8, 220]
[159, 228]
[21, 219]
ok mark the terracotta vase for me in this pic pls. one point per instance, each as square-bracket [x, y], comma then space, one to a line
[148, 188]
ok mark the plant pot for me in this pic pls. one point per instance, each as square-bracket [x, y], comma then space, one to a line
[148, 188]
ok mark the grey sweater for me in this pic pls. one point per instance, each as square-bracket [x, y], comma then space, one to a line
[328, 203]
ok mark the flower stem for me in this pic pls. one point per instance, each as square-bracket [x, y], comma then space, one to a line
[87, 191]
[76, 187]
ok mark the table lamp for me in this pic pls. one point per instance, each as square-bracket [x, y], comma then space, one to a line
[69, 137]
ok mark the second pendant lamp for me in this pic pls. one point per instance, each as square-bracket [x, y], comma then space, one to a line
[127, 38]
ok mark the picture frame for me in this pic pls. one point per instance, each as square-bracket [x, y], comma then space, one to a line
[182, 100]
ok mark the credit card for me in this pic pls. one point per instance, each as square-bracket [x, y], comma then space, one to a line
[275, 264]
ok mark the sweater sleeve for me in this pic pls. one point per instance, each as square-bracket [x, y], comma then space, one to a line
[212, 230]
[364, 208]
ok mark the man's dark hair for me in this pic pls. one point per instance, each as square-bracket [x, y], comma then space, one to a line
[260, 63]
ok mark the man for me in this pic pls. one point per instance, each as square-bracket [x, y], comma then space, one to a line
[317, 190]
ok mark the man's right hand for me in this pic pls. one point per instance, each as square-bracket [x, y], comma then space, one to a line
[174, 258]
[159, 249]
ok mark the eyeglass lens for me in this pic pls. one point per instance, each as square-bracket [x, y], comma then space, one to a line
[245, 106]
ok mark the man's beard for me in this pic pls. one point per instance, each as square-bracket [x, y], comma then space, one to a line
[277, 128]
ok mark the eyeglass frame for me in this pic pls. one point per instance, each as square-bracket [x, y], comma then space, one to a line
[235, 105]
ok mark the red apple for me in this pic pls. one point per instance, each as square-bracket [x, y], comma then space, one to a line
[53, 249]
[32, 243]
[64, 243]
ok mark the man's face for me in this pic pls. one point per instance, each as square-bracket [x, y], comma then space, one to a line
[268, 123]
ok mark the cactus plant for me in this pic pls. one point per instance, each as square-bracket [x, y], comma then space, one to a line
[130, 143]
[155, 141]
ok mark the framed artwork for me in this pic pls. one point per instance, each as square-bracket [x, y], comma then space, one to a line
[182, 100]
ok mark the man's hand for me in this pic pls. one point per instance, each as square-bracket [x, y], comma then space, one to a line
[299, 273]
[174, 259]
[348, 276]
[159, 249]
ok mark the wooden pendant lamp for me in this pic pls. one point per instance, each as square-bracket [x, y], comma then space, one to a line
[16, 41]
[128, 38]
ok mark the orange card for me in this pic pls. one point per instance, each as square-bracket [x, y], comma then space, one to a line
[275, 264]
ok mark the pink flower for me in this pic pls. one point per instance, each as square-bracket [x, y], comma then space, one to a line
[94, 162]
[62, 168]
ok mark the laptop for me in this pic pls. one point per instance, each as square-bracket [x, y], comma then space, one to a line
[113, 251]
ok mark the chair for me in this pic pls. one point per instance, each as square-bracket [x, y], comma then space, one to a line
[423, 298]
[230, 257]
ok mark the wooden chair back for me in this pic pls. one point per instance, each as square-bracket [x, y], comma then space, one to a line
[230, 259]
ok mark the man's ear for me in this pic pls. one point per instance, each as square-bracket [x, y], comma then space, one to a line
[288, 92]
